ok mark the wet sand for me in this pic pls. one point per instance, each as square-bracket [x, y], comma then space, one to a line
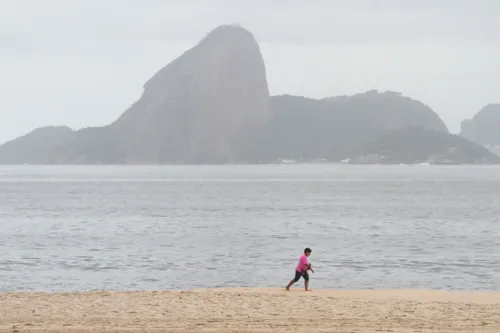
[251, 310]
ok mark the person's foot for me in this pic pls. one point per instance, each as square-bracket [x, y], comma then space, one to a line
[287, 288]
[308, 289]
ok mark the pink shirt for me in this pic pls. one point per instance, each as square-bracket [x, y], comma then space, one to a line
[303, 263]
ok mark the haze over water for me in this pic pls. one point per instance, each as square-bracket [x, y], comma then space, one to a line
[173, 227]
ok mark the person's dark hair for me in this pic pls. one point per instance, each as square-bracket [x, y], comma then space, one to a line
[307, 250]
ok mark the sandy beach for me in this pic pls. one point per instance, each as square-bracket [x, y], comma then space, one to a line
[251, 310]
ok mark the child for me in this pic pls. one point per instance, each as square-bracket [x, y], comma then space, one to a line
[302, 269]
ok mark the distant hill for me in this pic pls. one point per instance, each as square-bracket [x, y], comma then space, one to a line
[418, 145]
[334, 128]
[391, 109]
[212, 105]
[484, 128]
[92, 145]
[36, 146]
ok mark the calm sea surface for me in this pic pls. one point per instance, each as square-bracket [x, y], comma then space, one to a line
[170, 227]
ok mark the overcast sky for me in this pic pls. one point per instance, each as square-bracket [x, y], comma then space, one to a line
[82, 63]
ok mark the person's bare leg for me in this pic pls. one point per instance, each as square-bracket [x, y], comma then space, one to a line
[290, 284]
[306, 285]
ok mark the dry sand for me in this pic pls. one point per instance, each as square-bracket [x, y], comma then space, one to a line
[251, 310]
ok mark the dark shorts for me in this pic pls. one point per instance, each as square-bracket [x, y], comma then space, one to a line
[298, 274]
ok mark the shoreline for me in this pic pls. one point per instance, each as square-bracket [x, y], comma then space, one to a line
[251, 310]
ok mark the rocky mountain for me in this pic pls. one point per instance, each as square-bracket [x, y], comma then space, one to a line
[197, 109]
[212, 105]
[484, 128]
[418, 145]
[201, 105]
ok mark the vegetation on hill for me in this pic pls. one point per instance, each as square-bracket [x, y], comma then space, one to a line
[417, 145]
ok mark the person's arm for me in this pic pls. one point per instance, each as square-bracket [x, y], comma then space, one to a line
[309, 267]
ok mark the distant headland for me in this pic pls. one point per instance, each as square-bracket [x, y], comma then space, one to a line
[212, 105]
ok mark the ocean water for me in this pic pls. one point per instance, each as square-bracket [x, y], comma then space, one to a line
[79, 228]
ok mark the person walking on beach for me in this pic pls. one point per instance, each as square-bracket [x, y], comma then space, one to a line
[301, 270]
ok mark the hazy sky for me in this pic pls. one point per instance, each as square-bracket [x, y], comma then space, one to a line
[82, 63]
